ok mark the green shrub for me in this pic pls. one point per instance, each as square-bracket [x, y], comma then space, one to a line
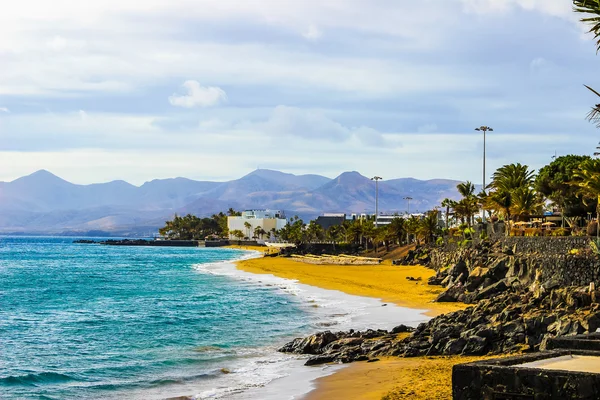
[561, 232]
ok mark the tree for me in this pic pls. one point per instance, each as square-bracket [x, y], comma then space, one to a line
[232, 213]
[468, 206]
[512, 193]
[428, 227]
[448, 203]
[525, 202]
[512, 176]
[587, 180]
[258, 232]
[248, 226]
[466, 189]
[237, 233]
[553, 181]
[191, 227]
[397, 229]
[333, 234]
[411, 227]
[314, 232]
[591, 7]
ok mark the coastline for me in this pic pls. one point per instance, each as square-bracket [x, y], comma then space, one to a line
[333, 310]
[386, 285]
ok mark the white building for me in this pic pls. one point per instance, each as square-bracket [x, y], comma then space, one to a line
[265, 219]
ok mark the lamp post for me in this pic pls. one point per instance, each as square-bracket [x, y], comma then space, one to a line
[408, 199]
[376, 179]
[484, 129]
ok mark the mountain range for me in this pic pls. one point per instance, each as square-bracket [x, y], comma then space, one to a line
[43, 203]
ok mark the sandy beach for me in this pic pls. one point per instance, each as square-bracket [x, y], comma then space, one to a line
[392, 378]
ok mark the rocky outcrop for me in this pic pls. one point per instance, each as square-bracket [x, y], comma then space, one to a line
[509, 322]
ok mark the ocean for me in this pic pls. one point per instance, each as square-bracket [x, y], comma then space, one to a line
[82, 321]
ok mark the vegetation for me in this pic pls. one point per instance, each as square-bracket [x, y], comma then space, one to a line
[191, 227]
[592, 9]
[553, 182]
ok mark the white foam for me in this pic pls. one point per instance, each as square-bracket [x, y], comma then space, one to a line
[279, 376]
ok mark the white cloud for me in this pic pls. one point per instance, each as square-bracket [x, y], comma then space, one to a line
[83, 115]
[4, 109]
[312, 33]
[57, 43]
[428, 128]
[557, 8]
[198, 96]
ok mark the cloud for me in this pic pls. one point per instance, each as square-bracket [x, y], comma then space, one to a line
[4, 109]
[312, 33]
[308, 124]
[557, 8]
[198, 96]
[57, 43]
[428, 128]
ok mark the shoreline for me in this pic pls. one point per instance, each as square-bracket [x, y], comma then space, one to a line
[333, 310]
[386, 285]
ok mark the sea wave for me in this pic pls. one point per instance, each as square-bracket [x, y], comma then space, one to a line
[34, 379]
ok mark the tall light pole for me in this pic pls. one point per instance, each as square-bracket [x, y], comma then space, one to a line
[376, 179]
[484, 129]
[408, 199]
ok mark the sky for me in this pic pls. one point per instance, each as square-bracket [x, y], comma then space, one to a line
[213, 89]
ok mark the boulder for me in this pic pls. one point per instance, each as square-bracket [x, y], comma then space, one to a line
[451, 295]
[402, 329]
[475, 345]
[492, 290]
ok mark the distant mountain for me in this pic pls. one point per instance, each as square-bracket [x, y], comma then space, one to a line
[44, 203]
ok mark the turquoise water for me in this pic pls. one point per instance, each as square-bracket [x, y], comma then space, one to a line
[91, 321]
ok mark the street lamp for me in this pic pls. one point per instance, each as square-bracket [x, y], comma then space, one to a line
[376, 179]
[484, 129]
[408, 199]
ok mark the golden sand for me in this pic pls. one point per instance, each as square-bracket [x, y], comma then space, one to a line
[422, 378]
[393, 378]
[386, 282]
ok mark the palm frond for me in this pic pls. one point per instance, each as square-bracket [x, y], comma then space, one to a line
[590, 7]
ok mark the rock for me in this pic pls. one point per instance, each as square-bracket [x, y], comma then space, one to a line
[451, 295]
[491, 290]
[475, 345]
[402, 329]
[321, 359]
[458, 269]
[454, 346]
[311, 345]
[476, 278]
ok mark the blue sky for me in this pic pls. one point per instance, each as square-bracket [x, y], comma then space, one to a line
[212, 89]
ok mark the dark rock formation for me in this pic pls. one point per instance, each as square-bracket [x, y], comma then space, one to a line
[510, 321]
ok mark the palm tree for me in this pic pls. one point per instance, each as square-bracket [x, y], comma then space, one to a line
[248, 226]
[314, 232]
[333, 234]
[397, 229]
[258, 232]
[368, 232]
[466, 189]
[512, 176]
[591, 7]
[525, 202]
[412, 226]
[428, 226]
[448, 203]
[587, 179]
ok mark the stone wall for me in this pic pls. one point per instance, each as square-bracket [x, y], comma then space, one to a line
[546, 260]
[506, 379]
[545, 244]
